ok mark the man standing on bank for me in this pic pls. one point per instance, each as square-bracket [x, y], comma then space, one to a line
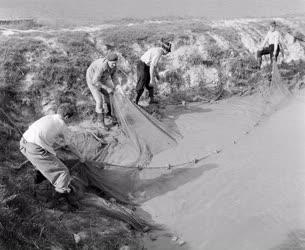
[273, 38]
[102, 80]
[147, 72]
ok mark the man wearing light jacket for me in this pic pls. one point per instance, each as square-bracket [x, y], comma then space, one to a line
[273, 39]
[102, 80]
[147, 72]
[38, 145]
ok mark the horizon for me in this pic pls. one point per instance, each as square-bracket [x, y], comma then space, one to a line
[97, 11]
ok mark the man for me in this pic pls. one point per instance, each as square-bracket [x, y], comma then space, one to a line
[102, 79]
[273, 38]
[146, 70]
[38, 145]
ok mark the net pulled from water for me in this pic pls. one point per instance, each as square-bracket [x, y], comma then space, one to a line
[276, 94]
[119, 212]
[144, 136]
[141, 137]
[148, 135]
[89, 189]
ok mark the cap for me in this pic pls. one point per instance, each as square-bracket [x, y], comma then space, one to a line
[166, 46]
[272, 23]
[112, 57]
[66, 109]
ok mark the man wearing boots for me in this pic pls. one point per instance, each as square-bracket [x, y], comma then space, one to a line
[102, 79]
[146, 70]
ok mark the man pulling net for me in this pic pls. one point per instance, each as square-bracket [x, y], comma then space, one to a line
[102, 79]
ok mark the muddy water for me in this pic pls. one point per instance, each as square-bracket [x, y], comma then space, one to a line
[250, 196]
[208, 127]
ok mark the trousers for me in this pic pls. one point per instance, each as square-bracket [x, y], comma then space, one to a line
[54, 170]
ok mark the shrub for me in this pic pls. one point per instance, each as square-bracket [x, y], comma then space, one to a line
[175, 79]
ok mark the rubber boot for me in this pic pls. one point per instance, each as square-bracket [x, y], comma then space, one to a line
[38, 177]
[108, 108]
[259, 60]
[139, 93]
[59, 198]
[72, 199]
[110, 116]
[152, 100]
[151, 96]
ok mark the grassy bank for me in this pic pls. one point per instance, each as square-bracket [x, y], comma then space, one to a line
[41, 69]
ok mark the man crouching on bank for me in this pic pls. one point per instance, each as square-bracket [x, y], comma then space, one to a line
[38, 145]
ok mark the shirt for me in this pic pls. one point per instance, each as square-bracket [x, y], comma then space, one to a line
[273, 38]
[48, 132]
[152, 56]
[99, 72]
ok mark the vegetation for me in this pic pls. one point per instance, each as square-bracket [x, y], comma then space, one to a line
[25, 221]
[57, 63]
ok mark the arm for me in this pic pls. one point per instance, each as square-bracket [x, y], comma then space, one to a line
[97, 76]
[157, 74]
[152, 68]
[115, 79]
[67, 135]
[276, 44]
[282, 45]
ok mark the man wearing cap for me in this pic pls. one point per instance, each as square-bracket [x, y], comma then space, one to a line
[273, 39]
[146, 70]
[102, 79]
[39, 142]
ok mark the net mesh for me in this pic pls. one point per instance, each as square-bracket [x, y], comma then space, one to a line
[148, 135]
[142, 136]
[277, 94]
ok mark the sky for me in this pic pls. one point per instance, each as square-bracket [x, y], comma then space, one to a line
[98, 10]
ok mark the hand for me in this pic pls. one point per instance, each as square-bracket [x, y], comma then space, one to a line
[152, 82]
[105, 107]
[110, 91]
[119, 89]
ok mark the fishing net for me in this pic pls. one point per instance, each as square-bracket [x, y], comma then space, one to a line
[276, 94]
[141, 136]
[148, 135]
